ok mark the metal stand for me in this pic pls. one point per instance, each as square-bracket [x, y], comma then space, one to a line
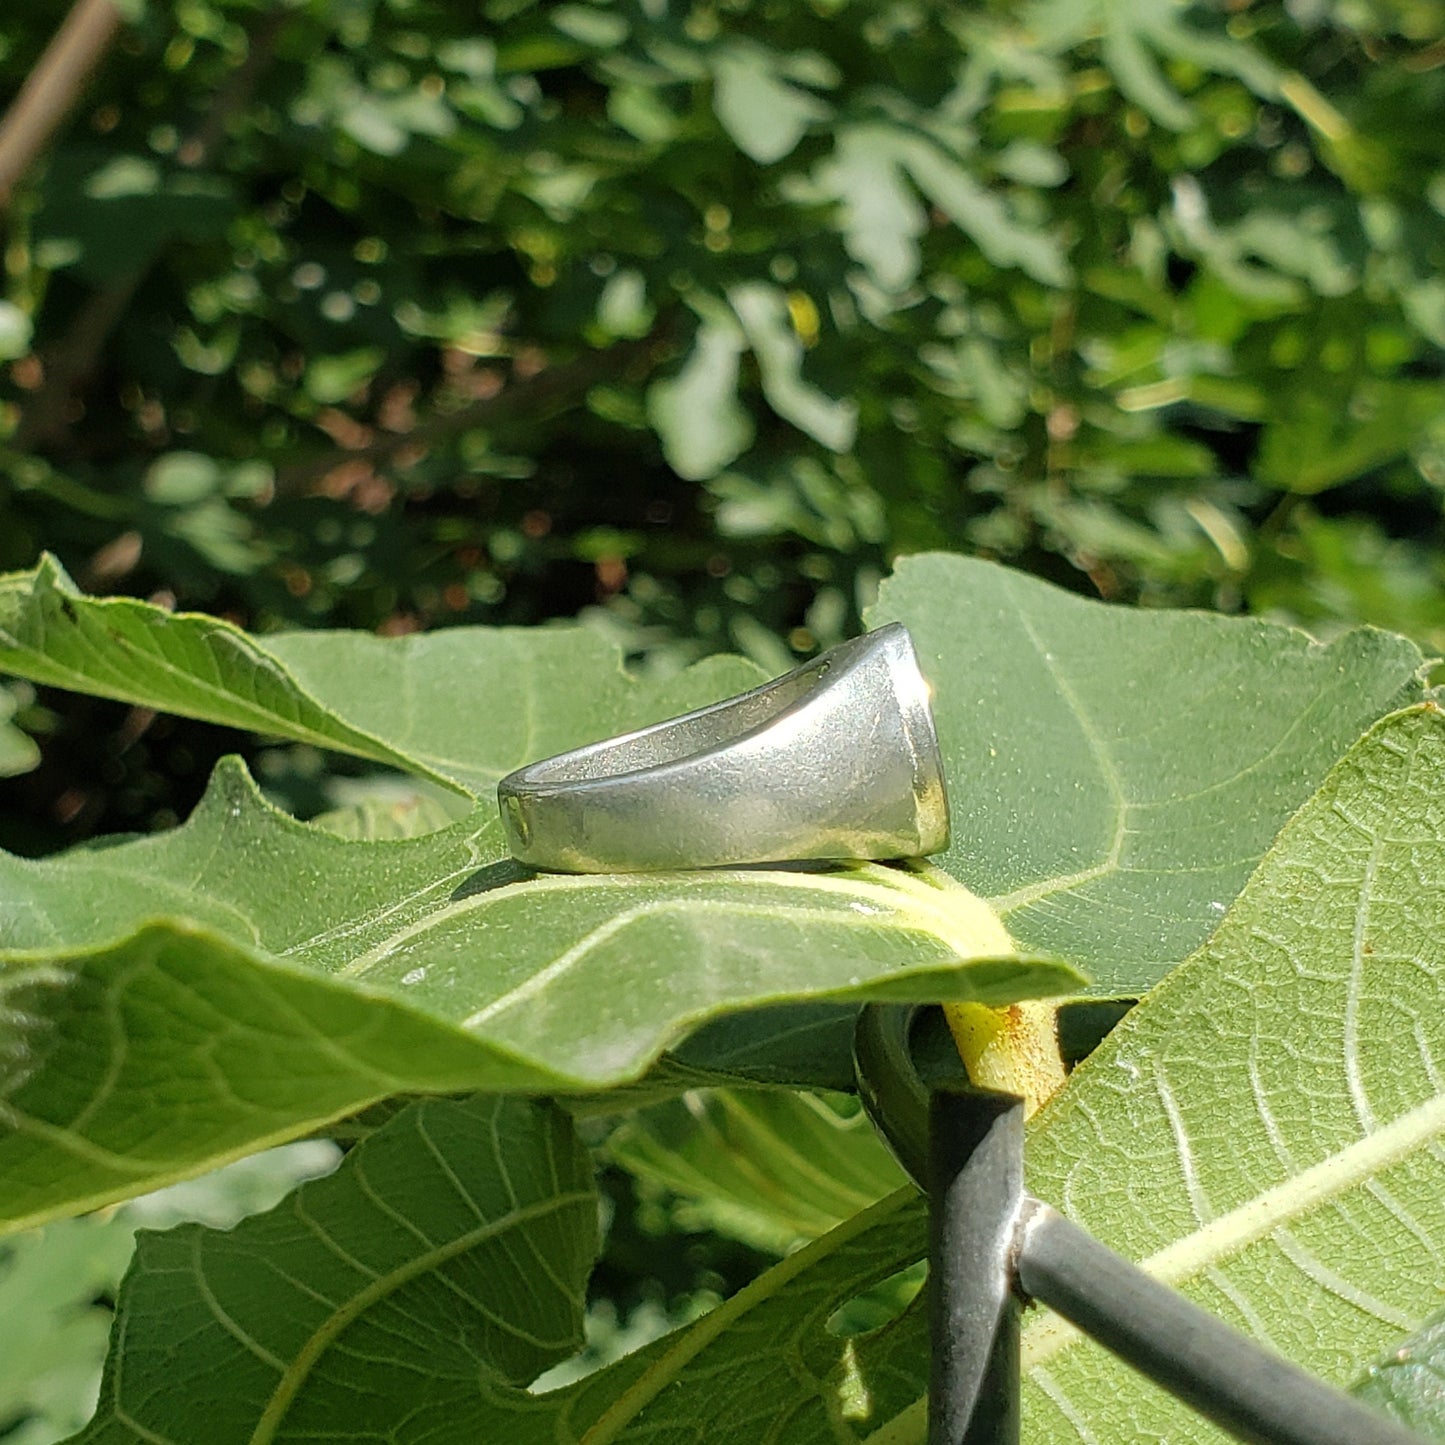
[976, 1190]
[989, 1238]
[1253, 1393]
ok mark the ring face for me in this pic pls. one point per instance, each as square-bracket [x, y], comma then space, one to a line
[837, 759]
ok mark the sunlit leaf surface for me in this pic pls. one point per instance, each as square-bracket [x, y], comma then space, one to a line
[168, 968]
[1263, 1132]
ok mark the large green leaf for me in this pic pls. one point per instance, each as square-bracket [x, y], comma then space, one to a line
[415, 1293]
[1116, 774]
[762, 1366]
[447, 1254]
[1284, 1095]
[359, 968]
[805, 1044]
[463, 706]
[194, 665]
[175, 1000]
[1264, 1130]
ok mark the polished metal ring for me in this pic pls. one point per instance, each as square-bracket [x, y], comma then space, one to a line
[837, 759]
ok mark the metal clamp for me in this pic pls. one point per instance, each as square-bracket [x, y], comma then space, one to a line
[993, 1246]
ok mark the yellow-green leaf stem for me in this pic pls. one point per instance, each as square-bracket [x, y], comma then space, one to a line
[1014, 1049]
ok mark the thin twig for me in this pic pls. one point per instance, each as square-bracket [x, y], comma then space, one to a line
[53, 87]
[75, 359]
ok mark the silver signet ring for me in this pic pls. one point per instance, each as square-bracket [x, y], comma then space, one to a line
[837, 759]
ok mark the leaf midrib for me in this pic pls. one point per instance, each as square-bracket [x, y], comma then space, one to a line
[1259, 1217]
[905, 899]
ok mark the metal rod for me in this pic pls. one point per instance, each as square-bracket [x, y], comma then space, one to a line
[976, 1157]
[1242, 1387]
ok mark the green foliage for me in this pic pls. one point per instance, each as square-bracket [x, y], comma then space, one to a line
[1145, 298]
[1138, 762]
[768, 1167]
[1311, 1225]
[53, 1329]
[56, 1285]
[174, 1001]
[1094, 799]
[454, 1235]
[693, 318]
[1286, 1080]
[418, 965]
[18, 752]
[429, 963]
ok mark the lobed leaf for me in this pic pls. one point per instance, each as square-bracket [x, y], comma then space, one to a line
[173, 1001]
[163, 967]
[1111, 824]
[190, 664]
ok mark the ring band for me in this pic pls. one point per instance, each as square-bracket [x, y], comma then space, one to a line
[837, 759]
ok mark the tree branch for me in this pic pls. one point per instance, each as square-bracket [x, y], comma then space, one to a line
[71, 364]
[548, 393]
[53, 87]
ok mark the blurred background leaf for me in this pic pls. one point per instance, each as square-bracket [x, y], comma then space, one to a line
[58, 1285]
[770, 1168]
